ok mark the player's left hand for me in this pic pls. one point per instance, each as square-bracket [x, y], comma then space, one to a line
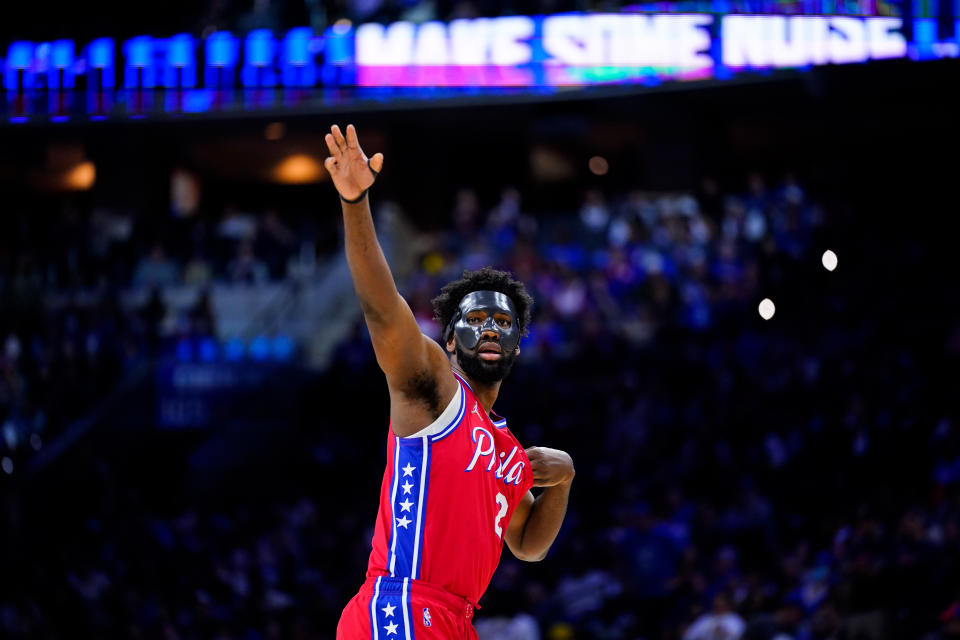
[550, 466]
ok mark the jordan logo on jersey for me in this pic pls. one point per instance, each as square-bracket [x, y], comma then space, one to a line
[484, 447]
[476, 410]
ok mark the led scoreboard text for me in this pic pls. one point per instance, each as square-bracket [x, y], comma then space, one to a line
[63, 80]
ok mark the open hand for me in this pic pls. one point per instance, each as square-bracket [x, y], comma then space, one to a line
[348, 166]
[550, 466]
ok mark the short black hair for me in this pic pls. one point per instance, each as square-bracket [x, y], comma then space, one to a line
[446, 304]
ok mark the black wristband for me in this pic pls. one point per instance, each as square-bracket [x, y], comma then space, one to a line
[357, 199]
[364, 194]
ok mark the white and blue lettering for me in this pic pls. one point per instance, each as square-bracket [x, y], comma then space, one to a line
[554, 50]
[484, 447]
[503, 465]
[483, 441]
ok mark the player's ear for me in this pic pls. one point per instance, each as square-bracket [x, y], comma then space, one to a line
[451, 347]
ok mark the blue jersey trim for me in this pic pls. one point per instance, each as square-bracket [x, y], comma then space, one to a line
[392, 542]
[450, 428]
[405, 601]
[390, 618]
[499, 424]
[422, 507]
[373, 611]
[408, 503]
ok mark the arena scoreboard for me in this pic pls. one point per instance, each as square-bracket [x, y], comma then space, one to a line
[301, 70]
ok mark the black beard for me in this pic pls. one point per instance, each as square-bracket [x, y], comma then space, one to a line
[482, 371]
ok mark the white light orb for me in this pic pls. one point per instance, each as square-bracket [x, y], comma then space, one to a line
[767, 309]
[829, 260]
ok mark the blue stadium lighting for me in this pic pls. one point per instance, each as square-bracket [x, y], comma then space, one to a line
[139, 70]
[61, 72]
[234, 349]
[260, 348]
[101, 76]
[222, 50]
[296, 47]
[298, 67]
[197, 101]
[181, 62]
[208, 350]
[260, 49]
[100, 54]
[184, 350]
[222, 53]
[924, 36]
[338, 44]
[283, 347]
[19, 59]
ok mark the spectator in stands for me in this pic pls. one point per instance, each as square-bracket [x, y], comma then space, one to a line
[721, 623]
[246, 267]
[156, 270]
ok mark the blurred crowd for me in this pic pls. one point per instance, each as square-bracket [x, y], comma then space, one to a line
[628, 264]
[796, 479]
[82, 289]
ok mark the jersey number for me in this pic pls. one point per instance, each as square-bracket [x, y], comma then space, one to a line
[502, 501]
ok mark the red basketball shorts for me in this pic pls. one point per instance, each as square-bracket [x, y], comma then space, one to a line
[403, 609]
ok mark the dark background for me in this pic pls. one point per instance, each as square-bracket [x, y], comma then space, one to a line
[669, 435]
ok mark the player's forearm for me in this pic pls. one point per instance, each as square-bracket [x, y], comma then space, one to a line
[543, 523]
[371, 274]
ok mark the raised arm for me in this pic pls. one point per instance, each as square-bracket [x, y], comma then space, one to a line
[405, 355]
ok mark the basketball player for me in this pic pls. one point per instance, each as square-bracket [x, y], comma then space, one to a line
[457, 482]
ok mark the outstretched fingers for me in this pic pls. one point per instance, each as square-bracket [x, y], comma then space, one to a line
[352, 141]
[332, 146]
[338, 136]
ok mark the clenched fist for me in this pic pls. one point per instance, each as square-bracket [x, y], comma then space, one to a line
[550, 466]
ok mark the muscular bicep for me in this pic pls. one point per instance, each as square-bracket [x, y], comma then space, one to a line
[514, 534]
[402, 351]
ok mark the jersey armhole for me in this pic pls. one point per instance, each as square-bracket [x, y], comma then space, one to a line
[447, 421]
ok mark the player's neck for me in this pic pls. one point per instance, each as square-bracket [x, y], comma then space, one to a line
[486, 393]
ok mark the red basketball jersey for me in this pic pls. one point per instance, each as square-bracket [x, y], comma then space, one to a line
[447, 496]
